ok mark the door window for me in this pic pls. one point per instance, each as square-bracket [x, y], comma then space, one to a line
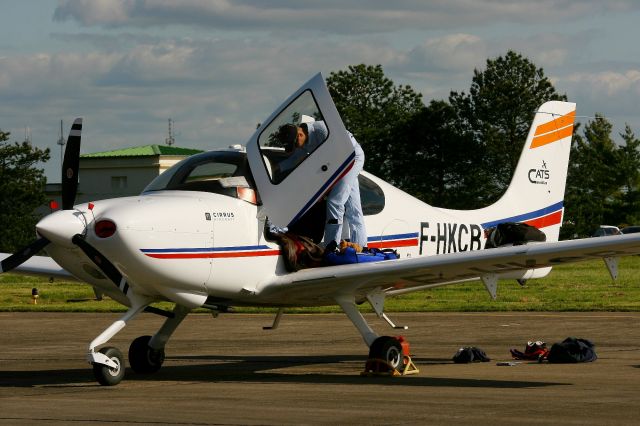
[292, 136]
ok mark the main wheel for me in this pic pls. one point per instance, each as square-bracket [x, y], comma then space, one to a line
[108, 376]
[388, 349]
[142, 358]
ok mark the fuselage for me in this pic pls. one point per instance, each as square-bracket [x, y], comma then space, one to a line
[185, 244]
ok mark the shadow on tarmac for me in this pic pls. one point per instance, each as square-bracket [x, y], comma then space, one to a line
[258, 369]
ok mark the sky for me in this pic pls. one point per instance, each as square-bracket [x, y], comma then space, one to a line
[219, 67]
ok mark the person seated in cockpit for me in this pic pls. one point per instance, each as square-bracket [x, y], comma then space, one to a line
[300, 142]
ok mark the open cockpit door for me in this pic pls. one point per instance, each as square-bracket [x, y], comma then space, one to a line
[292, 178]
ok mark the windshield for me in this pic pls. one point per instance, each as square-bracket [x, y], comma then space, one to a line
[220, 172]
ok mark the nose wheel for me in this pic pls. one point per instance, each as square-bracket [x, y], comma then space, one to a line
[110, 375]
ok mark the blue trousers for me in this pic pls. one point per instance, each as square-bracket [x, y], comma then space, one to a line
[344, 202]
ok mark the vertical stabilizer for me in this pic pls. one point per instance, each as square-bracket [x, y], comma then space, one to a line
[536, 193]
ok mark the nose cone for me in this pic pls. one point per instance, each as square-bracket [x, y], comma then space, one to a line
[61, 226]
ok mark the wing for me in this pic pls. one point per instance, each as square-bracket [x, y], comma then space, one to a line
[322, 285]
[41, 266]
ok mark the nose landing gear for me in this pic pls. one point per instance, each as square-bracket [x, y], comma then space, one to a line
[146, 353]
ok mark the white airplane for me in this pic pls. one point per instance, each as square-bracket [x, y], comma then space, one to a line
[196, 235]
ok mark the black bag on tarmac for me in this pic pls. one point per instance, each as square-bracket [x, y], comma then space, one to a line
[572, 350]
[470, 354]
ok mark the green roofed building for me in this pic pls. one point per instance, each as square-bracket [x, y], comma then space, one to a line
[121, 172]
[126, 171]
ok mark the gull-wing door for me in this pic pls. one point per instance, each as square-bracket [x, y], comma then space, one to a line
[291, 179]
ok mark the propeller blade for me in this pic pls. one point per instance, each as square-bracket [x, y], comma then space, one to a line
[100, 261]
[112, 272]
[19, 257]
[70, 166]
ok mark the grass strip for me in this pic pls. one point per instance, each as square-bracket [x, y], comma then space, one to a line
[584, 286]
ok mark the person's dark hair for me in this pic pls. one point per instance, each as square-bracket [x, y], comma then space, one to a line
[305, 129]
[287, 135]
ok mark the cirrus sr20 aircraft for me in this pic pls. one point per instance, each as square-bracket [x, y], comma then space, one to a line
[196, 235]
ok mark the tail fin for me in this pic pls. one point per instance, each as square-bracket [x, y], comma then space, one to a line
[536, 193]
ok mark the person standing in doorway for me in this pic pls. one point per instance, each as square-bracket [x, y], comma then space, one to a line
[343, 203]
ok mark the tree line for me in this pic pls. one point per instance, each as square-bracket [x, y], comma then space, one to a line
[21, 191]
[458, 153]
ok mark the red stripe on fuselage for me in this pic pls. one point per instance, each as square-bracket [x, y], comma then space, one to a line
[544, 221]
[393, 243]
[212, 255]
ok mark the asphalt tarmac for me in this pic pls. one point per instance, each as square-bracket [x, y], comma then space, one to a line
[228, 371]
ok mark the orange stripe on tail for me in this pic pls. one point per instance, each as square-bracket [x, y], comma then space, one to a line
[554, 130]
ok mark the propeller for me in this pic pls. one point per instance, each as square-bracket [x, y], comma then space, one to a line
[111, 271]
[19, 257]
[70, 167]
[101, 262]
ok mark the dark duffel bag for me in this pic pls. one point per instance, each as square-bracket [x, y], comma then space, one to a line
[572, 350]
[515, 233]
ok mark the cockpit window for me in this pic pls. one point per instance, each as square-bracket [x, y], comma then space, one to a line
[211, 171]
[219, 172]
[371, 196]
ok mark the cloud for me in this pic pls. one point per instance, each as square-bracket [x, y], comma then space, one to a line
[46, 74]
[215, 90]
[614, 93]
[452, 52]
[609, 83]
[338, 16]
[137, 64]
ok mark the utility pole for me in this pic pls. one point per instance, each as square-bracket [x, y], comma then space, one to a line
[61, 142]
[27, 134]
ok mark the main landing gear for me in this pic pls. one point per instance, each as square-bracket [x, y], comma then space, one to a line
[387, 355]
[146, 353]
[144, 359]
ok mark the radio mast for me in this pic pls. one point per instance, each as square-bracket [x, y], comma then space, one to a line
[27, 134]
[61, 142]
[170, 140]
